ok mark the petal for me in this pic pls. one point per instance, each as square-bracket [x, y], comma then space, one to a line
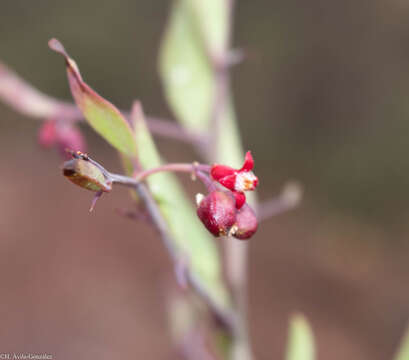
[228, 182]
[248, 162]
[221, 171]
[240, 199]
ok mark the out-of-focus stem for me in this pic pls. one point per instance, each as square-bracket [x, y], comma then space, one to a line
[225, 315]
[289, 198]
[174, 167]
[26, 99]
[235, 251]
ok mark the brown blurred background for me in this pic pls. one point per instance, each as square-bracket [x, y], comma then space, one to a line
[322, 97]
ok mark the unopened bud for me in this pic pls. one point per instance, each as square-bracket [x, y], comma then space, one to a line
[62, 136]
[47, 135]
[217, 211]
[246, 223]
[70, 137]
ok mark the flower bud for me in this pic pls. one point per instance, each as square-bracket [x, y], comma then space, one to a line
[217, 211]
[61, 136]
[246, 223]
[47, 135]
[70, 137]
[87, 175]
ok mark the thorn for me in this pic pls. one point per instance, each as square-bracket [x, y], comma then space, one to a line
[95, 199]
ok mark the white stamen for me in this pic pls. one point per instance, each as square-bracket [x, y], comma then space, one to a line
[245, 181]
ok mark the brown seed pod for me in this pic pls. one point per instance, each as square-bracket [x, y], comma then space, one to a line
[87, 175]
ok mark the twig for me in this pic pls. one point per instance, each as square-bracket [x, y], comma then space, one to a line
[174, 167]
[26, 99]
[288, 200]
[226, 317]
[152, 208]
[235, 252]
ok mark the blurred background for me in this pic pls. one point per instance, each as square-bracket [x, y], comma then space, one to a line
[322, 97]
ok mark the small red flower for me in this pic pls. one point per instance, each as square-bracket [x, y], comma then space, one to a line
[236, 180]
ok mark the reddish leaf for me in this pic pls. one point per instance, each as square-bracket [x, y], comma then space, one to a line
[103, 116]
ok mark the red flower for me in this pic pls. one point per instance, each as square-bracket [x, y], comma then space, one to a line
[236, 180]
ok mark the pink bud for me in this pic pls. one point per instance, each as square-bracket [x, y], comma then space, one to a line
[217, 211]
[47, 135]
[70, 137]
[246, 223]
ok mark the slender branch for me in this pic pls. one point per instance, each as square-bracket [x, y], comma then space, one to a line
[174, 167]
[225, 315]
[194, 169]
[235, 252]
[287, 200]
[24, 98]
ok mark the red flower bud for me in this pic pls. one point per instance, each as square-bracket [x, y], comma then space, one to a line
[63, 136]
[246, 223]
[217, 211]
[70, 137]
[47, 135]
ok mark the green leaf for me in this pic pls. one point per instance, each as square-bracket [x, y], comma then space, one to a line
[185, 69]
[213, 17]
[103, 116]
[403, 351]
[300, 344]
[196, 27]
[189, 234]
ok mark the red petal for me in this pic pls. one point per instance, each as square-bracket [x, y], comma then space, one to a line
[248, 162]
[221, 171]
[228, 182]
[240, 199]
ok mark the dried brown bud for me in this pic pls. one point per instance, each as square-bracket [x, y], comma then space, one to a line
[87, 175]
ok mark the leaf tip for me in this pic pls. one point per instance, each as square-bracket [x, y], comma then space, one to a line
[56, 46]
[136, 107]
[301, 344]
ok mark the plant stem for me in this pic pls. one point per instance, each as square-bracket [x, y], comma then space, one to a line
[28, 100]
[174, 167]
[235, 252]
[226, 316]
